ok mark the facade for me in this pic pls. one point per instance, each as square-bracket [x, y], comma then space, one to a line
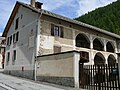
[35, 36]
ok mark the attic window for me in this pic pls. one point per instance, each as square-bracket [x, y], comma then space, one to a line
[16, 23]
[56, 30]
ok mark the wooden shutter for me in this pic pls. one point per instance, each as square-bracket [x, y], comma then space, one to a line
[61, 32]
[52, 29]
[17, 36]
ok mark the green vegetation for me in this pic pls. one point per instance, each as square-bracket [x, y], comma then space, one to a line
[107, 18]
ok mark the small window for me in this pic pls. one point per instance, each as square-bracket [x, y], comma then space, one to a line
[14, 36]
[10, 40]
[57, 49]
[8, 58]
[56, 30]
[17, 36]
[16, 23]
[21, 16]
[14, 56]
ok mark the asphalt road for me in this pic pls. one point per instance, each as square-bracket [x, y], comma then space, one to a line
[1, 88]
[8, 82]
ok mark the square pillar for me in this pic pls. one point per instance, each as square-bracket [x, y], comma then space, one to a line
[119, 66]
[76, 69]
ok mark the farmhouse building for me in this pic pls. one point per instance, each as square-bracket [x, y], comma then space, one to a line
[46, 46]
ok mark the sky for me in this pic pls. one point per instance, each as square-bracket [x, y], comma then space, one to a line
[67, 8]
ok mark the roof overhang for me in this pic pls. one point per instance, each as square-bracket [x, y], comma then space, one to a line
[17, 5]
[45, 12]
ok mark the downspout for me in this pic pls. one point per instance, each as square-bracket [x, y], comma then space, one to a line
[36, 49]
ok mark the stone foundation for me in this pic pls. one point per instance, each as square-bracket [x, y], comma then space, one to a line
[25, 74]
[65, 81]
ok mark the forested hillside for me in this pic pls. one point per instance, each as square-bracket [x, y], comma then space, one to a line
[107, 18]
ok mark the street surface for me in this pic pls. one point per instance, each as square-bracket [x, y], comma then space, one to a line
[8, 82]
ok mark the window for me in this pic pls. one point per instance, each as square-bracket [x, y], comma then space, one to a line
[8, 58]
[14, 56]
[10, 40]
[17, 36]
[21, 16]
[14, 38]
[56, 30]
[16, 23]
[57, 49]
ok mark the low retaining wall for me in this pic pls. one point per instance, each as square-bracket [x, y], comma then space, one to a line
[65, 81]
[25, 74]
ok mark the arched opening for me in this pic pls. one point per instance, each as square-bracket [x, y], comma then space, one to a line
[109, 47]
[97, 45]
[99, 59]
[111, 60]
[82, 41]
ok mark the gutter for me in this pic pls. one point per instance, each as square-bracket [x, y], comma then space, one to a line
[36, 49]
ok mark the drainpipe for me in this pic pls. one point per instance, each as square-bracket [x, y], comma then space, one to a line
[35, 63]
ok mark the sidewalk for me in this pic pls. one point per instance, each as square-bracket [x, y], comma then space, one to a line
[16, 83]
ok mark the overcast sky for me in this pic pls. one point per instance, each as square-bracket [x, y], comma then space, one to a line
[68, 8]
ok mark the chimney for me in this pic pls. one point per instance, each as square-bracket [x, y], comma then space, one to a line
[33, 3]
[38, 5]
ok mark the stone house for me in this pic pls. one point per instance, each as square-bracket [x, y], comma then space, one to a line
[2, 50]
[43, 45]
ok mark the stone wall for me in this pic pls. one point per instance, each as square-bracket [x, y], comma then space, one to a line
[65, 81]
[24, 74]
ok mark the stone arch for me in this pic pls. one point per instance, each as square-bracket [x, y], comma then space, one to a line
[99, 59]
[82, 41]
[111, 59]
[98, 44]
[110, 47]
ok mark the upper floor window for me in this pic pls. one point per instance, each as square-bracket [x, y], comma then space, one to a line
[16, 23]
[17, 36]
[10, 39]
[14, 37]
[8, 58]
[56, 30]
[14, 56]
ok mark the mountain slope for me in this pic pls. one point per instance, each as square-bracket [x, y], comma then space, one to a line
[107, 18]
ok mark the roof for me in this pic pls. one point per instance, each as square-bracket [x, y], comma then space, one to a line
[55, 16]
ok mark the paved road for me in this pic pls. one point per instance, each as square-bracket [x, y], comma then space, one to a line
[1, 88]
[15, 83]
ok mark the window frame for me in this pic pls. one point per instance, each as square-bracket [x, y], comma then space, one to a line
[16, 23]
[57, 30]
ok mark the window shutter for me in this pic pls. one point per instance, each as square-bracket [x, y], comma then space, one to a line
[61, 32]
[52, 29]
[17, 36]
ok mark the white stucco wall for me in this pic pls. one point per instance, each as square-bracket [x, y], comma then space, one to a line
[60, 65]
[25, 47]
